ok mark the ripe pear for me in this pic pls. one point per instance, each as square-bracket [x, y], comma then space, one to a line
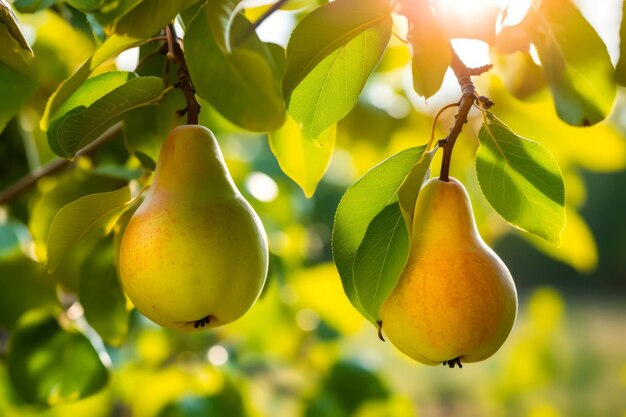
[194, 254]
[455, 301]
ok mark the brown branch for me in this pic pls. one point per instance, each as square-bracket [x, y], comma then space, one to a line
[26, 182]
[468, 99]
[176, 54]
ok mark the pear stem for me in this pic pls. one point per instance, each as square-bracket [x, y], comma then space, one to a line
[469, 97]
[175, 53]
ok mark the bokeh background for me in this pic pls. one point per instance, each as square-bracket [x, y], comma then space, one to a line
[303, 350]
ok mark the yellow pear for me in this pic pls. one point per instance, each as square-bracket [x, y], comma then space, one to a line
[194, 254]
[455, 301]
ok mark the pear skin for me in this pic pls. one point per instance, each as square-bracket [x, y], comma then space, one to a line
[194, 254]
[455, 301]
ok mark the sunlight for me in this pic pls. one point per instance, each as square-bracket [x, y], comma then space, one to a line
[127, 60]
[470, 9]
[262, 187]
[217, 355]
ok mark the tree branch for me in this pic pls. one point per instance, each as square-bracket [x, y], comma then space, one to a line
[176, 54]
[468, 99]
[26, 182]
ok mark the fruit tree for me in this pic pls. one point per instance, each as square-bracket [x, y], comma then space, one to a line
[289, 207]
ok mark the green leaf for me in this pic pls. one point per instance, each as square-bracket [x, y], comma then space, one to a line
[520, 75]
[361, 203]
[327, 29]
[76, 219]
[303, 160]
[430, 50]
[242, 85]
[24, 285]
[109, 48]
[228, 402]
[101, 295]
[352, 384]
[380, 259]
[220, 15]
[146, 128]
[521, 180]
[48, 365]
[515, 38]
[92, 90]
[85, 5]
[620, 70]
[576, 63]
[410, 188]
[15, 90]
[332, 88]
[83, 124]
[32, 6]
[9, 21]
[59, 191]
[149, 16]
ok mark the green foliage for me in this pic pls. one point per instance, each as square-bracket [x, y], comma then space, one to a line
[220, 15]
[330, 56]
[49, 365]
[24, 285]
[70, 132]
[303, 159]
[430, 53]
[109, 48]
[408, 191]
[521, 180]
[60, 192]
[359, 206]
[17, 86]
[101, 295]
[31, 6]
[347, 386]
[620, 70]
[381, 257]
[75, 220]
[9, 22]
[575, 61]
[288, 355]
[228, 402]
[241, 84]
[133, 22]
[85, 5]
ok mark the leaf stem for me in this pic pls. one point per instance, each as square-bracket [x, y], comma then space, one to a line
[175, 53]
[434, 124]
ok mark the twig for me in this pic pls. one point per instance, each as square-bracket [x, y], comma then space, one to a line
[176, 54]
[257, 23]
[161, 51]
[468, 99]
[23, 184]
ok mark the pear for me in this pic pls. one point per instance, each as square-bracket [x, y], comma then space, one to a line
[455, 301]
[194, 254]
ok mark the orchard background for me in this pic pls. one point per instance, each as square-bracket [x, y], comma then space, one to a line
[88, 93]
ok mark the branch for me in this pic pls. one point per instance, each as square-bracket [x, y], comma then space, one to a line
[176, 54]
[23, 184]
[468, 99]
[257, 23]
